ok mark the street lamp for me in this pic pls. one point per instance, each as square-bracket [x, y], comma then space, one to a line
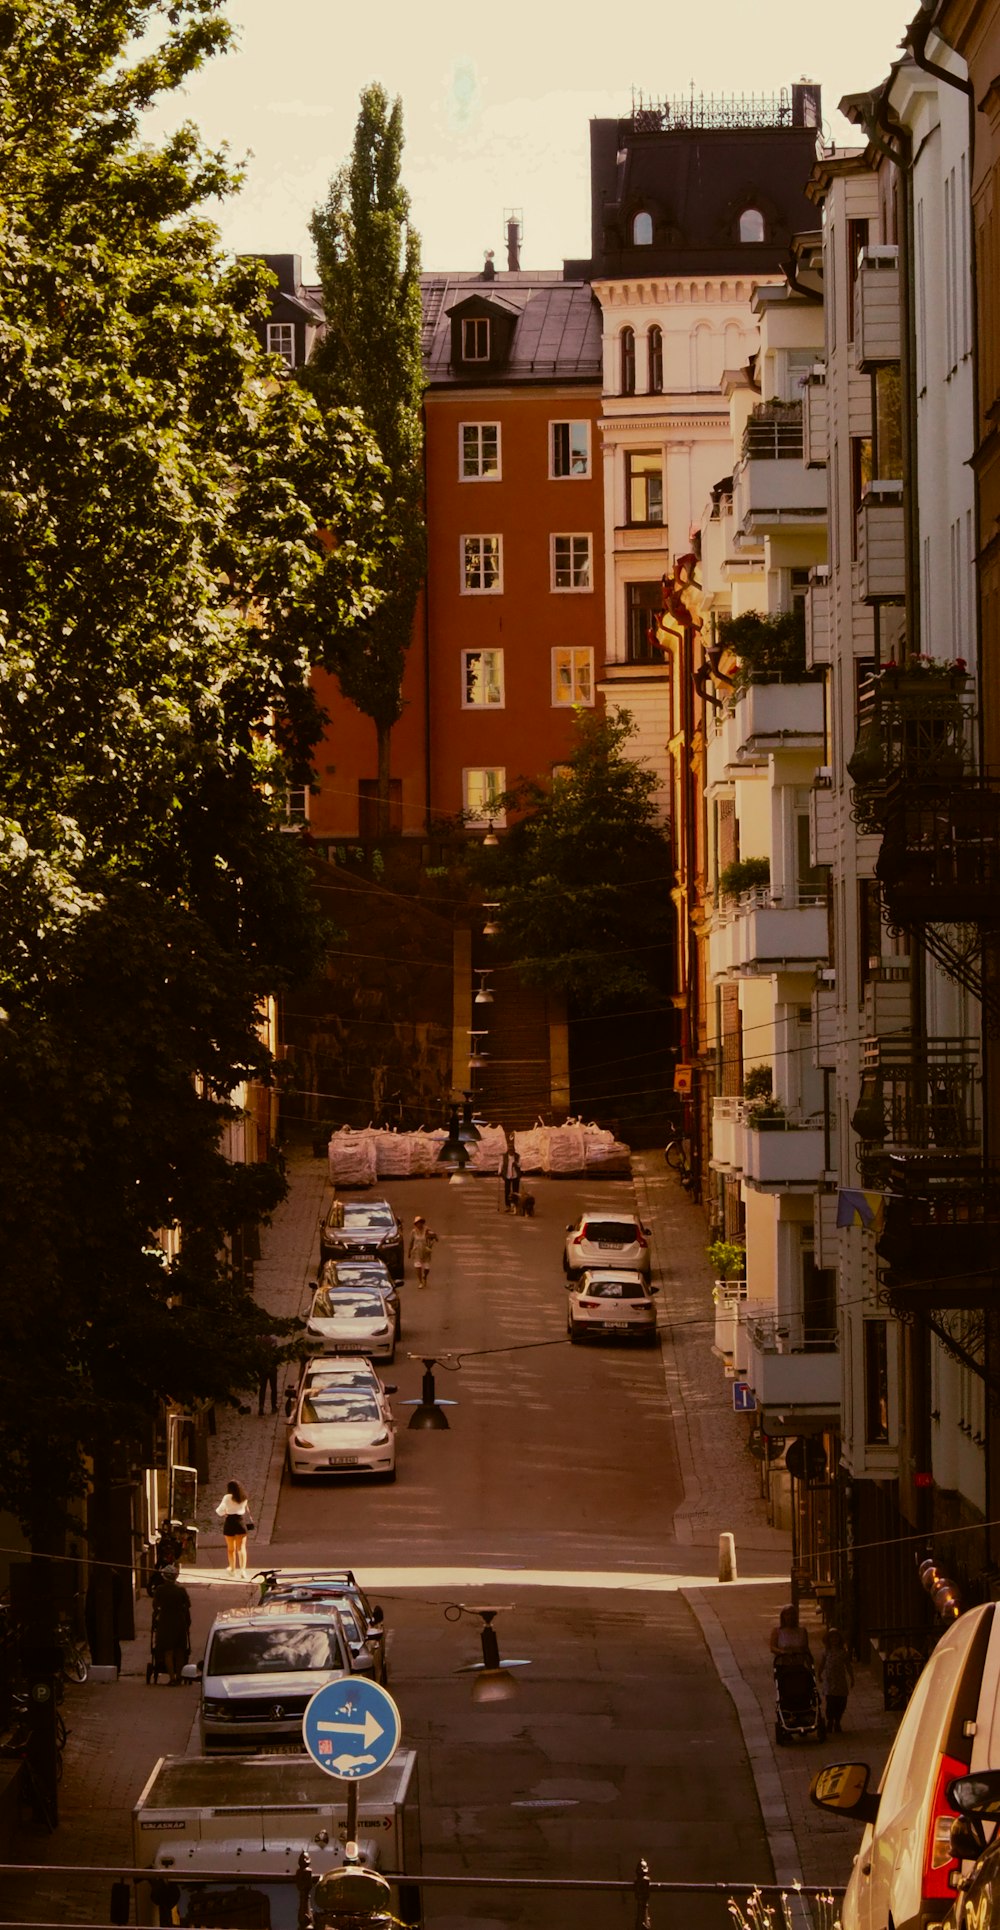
[453, 1153]
[477, 1057]
[491, 836]
[491, 928]
[484, 996]
[428, 1412]
[494, 1682]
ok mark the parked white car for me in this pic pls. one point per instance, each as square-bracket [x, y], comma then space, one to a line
[344, 1320]
[906, 1870]
[611, 1301]
[601, 1239]
[341, 1430]
[261, 1668]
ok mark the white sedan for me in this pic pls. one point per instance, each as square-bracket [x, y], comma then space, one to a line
[341, 1430]
[611, 1300]
[342, 1321]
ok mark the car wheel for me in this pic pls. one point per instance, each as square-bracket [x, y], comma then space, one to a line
[574, 1335]
[391, 1476]
[780, 1734]
[821, 1730]
[293, 1477]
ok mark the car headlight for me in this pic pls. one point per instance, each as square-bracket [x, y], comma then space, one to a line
[381, 1440]
[214, 1707]
[302, 1441]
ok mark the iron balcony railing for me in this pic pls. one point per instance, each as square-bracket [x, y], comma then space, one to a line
[940, 856]
[920, 1099]
[774, 433]
[940, 1241]
[912, 726]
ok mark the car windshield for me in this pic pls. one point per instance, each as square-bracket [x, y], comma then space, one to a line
[361, 1215]
[354, 1273]
[611, 1232]
[614, 1290]
[347, 1306]
[338, 1404]
[245, 1651]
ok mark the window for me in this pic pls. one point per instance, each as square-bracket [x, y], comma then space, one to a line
[482, 679]
[281, 341]
[571, 563]
[751, 225]
[572, 677]
[627, 349]
[810, 879]
[482, 791]
[642, 602]
[479, 451]
[296, 805]
[887, 451]
[655, 346]
[368, 806]
[876, 1382]
[642, 230]
[643, 486]
[476, 338]
[857, 238]
[482, 561]
[570, 450]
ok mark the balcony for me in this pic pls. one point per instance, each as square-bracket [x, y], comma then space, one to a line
[940, 856]
[819, 618]
[881, 546]
[727, 1135]
[887, 997]
[919, 1108]
[826, 1026]
[729, 1298]
[823, 838]
[721, 752]
[772, 488]
[781, 1154]
[778, 715]
[876, 308]
[806, 1378]
[939, 1248]
[815, 419]
[915, 725]
[761, 934]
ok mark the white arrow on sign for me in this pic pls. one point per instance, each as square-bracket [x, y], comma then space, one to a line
[368, 1730]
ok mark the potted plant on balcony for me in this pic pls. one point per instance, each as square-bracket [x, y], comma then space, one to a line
[729, 1261]
[766, 1115]
[757, 1082]
[743, 875]
[767, 647]
[922, 676]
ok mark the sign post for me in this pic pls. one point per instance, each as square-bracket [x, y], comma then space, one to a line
[351, 1729]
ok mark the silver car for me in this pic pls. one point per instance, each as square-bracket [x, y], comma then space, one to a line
[615, 1302]
[261, 1667]
[601, 1239]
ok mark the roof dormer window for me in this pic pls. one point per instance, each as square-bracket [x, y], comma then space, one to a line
[642, 230]
[751, 225]
[475, 338]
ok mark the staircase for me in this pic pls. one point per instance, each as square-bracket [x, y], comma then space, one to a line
[512, 1089]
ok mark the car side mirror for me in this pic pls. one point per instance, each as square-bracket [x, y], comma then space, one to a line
[390, 1387]
[977, 1795]
[569, 1228]
[967, 1838]
[647, 1229]
[843, 1787]
[191, 1672]
[654, 1289]
[378, 1612]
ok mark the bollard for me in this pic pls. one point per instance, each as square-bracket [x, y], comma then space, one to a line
[727, 1558]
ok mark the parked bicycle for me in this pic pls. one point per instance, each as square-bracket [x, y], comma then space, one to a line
[678, 1158]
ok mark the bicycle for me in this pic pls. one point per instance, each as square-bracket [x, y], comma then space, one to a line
[678, 1157]
[75, 1663]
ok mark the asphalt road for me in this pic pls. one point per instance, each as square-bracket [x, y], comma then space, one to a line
[621, 1741]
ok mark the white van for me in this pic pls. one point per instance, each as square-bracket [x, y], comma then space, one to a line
[906, 1872]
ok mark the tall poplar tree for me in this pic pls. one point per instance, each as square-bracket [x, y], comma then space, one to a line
[370, 359]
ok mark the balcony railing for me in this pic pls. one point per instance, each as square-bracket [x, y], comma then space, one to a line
[762, 932]
[782, 1376]
[940, 856]
[913, 726]
[919, 1102]
[780, 1153]
[773, 432]
[941, 1247]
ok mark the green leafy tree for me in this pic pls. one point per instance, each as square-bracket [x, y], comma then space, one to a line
[180, 535]
[583, 877]
[370, 359]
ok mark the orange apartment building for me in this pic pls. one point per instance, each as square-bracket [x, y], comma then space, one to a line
[509, 636]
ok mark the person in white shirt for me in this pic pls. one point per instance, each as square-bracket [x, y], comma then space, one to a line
[234, 1510]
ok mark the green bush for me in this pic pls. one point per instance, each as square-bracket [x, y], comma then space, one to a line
[745, 874]
[728, 1259]
[757, 1082]
[767, 646]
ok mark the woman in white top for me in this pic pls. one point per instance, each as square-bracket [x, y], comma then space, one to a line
[234, 1508]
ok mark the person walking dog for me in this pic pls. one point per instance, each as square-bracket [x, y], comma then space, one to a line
[234, 1509]
[422, 1244]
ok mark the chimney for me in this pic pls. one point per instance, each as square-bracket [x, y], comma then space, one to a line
[489, 272]
[514, 242]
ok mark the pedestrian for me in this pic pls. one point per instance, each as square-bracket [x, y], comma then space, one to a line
[836, 1679]
[171, 1634]
[269, 1375]
[514, 1182]
[234, 1509]
[788, 1638]
[422, 1243]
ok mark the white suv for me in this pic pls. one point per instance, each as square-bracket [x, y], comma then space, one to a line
[261, 1667]
[906, 1871]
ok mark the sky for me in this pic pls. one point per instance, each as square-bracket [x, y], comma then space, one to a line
[496, 101]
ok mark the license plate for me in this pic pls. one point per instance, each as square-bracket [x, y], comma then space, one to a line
[342, 1461]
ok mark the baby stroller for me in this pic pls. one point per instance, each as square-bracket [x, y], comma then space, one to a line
[798, 1708]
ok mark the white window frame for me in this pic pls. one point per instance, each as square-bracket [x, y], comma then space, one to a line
[294, 816]
[572, 537]
[487, 703]
[571, 474]
[281, 341]
[574, 652]
[466, 553]
[471, 324]
[479, 474]
[485, 815]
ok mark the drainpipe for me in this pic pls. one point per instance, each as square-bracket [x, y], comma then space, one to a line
[427, 634]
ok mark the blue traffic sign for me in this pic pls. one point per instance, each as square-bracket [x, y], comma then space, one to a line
[351, 1728]
[744, 1398]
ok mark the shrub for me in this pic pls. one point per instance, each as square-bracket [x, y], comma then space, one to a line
[757, 1082]
[745, 874]
[728, 1259]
